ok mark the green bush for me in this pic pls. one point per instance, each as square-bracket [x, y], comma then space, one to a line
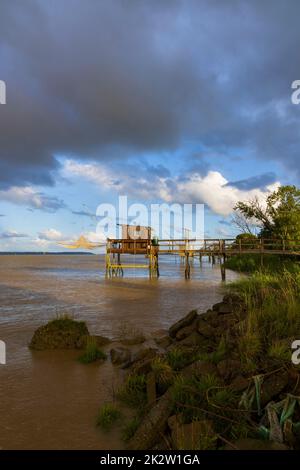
[130, 428]
[92, 352]
[108, 415]
[133, 391]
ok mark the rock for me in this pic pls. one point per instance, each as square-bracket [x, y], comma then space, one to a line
[196, 340]
[239, 384]
[229, 368]
[272, 386]
[222, 308]
[142, 361]
[153, 425]
[61, 333]
[151, 388]
[199, 368]
[186, 321]
[163, 342]
[144, 353]
[205, 329]
[131, 341]
[186, 331]
[211, 318]
[120, 356]
[99, 341]
[198, 435]
[255, 444]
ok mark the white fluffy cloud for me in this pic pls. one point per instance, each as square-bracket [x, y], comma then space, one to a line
[50, 234]
[30, 197]
[213, 189]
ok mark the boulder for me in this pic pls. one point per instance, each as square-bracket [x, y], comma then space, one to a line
[210, 317]
[186, 321]
[120, 356]
[198, 341]
[153, 425]
[205, 329]
[144, 353]
[163, 342]
[222, 308]
[142, 361]
[61, 333]
[186, 331]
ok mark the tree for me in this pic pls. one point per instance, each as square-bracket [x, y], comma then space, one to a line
[279, 217]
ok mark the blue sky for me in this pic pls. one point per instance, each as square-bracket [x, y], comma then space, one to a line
[159, 101]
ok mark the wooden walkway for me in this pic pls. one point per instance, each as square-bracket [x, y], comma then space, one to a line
[190, 248]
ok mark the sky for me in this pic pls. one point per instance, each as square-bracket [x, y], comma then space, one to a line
[162, 101]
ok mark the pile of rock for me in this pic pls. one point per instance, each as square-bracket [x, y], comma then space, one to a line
[160, 427]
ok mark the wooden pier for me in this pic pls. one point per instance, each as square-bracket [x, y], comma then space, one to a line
[187, 249]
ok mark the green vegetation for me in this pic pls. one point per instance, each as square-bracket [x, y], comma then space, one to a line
[66, 322]
[250, 263]
[60, 333]
[273, 319]
[278, 219]
[205, 398]
[108, 415]
[163, 372]
[133, 391]
[92, 352]
[130, 428]
[216, 356]
[178, 358]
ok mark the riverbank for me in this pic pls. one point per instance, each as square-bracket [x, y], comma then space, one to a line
[223, 378]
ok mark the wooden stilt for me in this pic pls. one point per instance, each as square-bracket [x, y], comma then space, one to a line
[187, 266]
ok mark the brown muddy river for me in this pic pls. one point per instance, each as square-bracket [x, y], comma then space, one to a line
[48, 400]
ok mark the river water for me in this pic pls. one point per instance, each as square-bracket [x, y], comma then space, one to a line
[48, 400]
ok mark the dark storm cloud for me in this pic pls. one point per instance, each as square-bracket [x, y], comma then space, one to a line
[105, 79]
[259, 181]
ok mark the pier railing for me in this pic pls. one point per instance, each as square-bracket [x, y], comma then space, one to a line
[231, 246]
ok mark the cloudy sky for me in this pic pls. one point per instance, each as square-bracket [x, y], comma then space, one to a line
[162, 101]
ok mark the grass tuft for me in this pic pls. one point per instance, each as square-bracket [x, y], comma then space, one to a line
[108, 415]
[92, 352]
[133, 391]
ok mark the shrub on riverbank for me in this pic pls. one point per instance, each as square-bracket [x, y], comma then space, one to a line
[92, 352]
[133, 391]
[273, 319]
[61, 333]
[108, 415]
[251, 263]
